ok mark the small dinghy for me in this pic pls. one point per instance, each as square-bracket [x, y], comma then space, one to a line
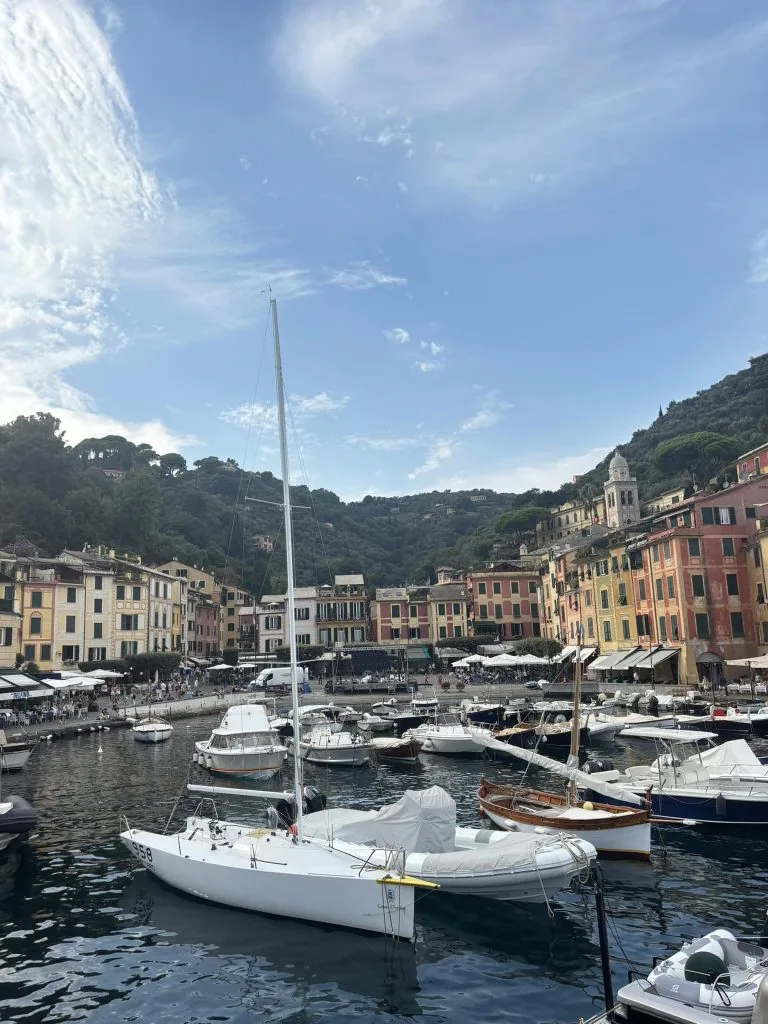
[17, 818]
[152, 730]
[715, 978]
[465, 861]
[15, 752]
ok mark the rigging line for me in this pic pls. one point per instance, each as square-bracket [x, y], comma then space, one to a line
[309, 492]
[245, 453]
[269, 562]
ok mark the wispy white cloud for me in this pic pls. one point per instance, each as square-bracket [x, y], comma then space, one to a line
[360, 276]
[73, 192]
[425, 366]
[382, 444]
[398, 335]
[245, 162]
[361, 181]
[301, 408]
[488, 415]
[540, 96]
[758, 268]
[432, 347]
[547, 474]
[440, 451]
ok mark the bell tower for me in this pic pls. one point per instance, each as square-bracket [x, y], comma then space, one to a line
[622, 502]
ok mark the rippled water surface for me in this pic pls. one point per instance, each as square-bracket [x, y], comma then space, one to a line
[85, 932]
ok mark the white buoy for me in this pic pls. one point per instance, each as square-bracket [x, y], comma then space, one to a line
[100, 751]
[106, 728]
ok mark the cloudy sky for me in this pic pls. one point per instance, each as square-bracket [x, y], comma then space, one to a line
[502, 232]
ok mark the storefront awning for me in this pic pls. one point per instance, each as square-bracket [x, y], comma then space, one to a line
[606, 661]
[586, 653]
[566, 653]
[657, 657]
[634, 659]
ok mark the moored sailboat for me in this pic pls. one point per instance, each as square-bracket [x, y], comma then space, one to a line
[274, 870]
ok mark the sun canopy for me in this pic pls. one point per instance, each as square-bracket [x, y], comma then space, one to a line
[567, 652]
[633, 659]
[654, 732]
[606, 661]
[222, 668]
[586, 654]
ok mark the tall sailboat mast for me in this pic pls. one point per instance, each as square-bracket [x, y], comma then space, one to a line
[285, 469]
[573, 756]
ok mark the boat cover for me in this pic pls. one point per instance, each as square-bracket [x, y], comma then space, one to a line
[422, 821]
[728, 754]
[502, 857]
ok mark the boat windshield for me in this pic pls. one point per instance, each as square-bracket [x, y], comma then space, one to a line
[223, 741]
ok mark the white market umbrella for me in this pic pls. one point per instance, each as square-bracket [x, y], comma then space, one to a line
[504, 661]
[759, 661]
[104, 673]
[474, 659]
[533, 659]
[221, 668]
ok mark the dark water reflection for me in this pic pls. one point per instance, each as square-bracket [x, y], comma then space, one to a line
[84, 932]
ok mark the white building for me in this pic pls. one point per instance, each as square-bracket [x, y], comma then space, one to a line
[272, 627]
[622, 504]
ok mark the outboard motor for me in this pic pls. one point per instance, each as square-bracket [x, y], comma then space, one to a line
[598, 764]
[635, 704]
[314, 800]
[653, 705]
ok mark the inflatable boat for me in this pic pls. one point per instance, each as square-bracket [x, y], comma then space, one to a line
[465, 861]
[17, 818]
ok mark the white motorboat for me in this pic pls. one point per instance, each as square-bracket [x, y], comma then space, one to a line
[465, 861]
[722, 785]
[243, 744]
[14, 752]
[333, 745]
[600, 727]
[17, 818]
[448, 739]
[375, 723]
[427, 706]
[274, 870]
[152, 730]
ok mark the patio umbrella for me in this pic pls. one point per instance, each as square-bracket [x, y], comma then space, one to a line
[104, 673]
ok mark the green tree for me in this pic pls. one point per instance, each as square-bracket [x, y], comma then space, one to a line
[521, 520]
[230, 655]
[701, 455]
[172, 464]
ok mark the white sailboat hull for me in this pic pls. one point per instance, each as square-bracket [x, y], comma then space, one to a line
[630, 841]
[262, 762]
[269, 872]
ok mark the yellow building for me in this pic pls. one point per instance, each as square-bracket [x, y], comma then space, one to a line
[232, 599]
[757, 563]
[573, 518]
[448, 611]
[10, 611]
[38, 596]
[197, 579]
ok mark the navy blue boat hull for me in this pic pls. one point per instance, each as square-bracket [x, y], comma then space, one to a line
[701, 810]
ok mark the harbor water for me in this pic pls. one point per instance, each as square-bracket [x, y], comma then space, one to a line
[86, 933]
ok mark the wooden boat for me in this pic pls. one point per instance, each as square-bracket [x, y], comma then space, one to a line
[393, 750]
[613, 831]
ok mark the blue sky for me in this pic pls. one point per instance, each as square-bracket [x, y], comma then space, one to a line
[501, 233]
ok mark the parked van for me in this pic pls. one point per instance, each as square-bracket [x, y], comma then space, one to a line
[275, 676]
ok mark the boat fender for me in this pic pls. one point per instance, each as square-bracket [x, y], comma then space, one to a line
[293, 830]
[721, 805]
[598, 764]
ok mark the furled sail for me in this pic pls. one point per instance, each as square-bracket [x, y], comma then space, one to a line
[606, 789]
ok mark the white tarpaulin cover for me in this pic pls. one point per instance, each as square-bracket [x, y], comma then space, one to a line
[580, 778]
[728, 754]
[422, 821]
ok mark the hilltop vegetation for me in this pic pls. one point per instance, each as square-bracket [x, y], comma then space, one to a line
[54, 496]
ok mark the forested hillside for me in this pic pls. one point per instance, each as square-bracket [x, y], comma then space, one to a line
[54, 496]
